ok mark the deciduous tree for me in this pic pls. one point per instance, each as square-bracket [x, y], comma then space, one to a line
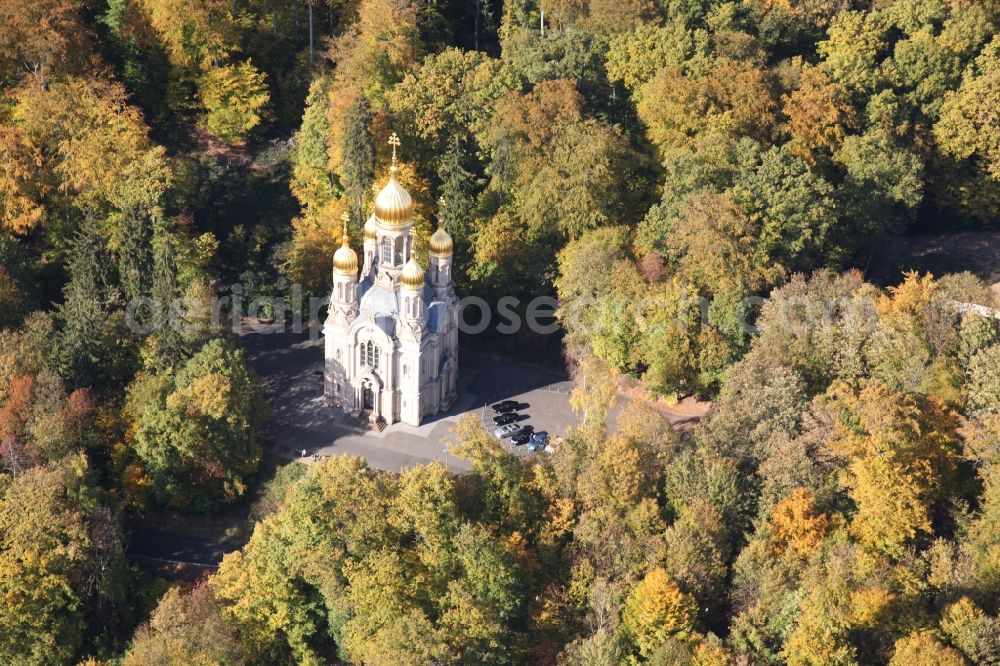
[657, 609]
[235, 98]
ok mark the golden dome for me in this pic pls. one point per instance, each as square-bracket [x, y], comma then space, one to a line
[412, 276]
[370, 228]
[441, 243]
[345, 260]
[393, 205]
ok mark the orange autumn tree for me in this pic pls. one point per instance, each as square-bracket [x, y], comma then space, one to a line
[795, 524]
[819, 113]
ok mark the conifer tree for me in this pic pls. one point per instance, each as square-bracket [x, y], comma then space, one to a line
[358, 147]
[135, 255]
[84, 315]
[169, 348]
[456, 188]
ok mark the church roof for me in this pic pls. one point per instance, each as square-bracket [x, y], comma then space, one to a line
[382, 306]
[435, 316]
[377, 300]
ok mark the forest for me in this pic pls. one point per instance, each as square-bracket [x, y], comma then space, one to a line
[700, 183]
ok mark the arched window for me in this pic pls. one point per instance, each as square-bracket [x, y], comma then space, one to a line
[400, 258]
[387, 249]
[369, 354]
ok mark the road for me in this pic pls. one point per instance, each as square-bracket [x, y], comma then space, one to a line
[146, 542]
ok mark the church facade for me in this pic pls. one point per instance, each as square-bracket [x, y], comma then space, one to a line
[391, 333]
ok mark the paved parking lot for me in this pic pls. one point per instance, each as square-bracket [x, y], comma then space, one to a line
[290, 366]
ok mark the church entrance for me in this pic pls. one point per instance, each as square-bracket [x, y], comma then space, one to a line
[367, 397]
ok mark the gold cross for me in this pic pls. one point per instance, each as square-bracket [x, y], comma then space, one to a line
[345, 216]
[394, 142]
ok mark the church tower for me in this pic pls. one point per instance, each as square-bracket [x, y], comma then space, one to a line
[343, 310]
[442, 250]
[391, 334]
[412, 350]
[441, 254]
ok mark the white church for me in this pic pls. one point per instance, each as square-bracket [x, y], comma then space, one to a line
[392, 332]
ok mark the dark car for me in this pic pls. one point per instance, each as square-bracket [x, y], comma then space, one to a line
[538, 441]
[504, 419]
[504, 407]
[521, 438]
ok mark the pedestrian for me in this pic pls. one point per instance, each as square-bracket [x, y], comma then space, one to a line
[303, 453]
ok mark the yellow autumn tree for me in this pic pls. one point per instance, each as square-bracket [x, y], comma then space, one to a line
[235, 98]
[921, 649]
[736, 97]
[900, 453]
[821, 631]
[594, 393]
[194, 33]
[21, 183]
[656, 609]
[102, 153]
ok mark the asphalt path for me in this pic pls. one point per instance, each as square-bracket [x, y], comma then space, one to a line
[147, 542]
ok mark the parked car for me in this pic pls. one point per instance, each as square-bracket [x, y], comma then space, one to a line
[505, 431]
[521, 438]
[504, 407]
[539, 441]
[504, 419]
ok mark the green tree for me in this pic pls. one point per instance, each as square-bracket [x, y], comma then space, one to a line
[193, 33]
[793, 208]
[196, 431]
[358, 156]
[637, 56]
[983, 384]
[166, 349]
[450, 97]
[456, 202]
[571, 174]
[968, 126]
[482, 607]
[850, 52]
[887, 176]
[697, 549]
[135, 255]
[88, 351]
[18, 290]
